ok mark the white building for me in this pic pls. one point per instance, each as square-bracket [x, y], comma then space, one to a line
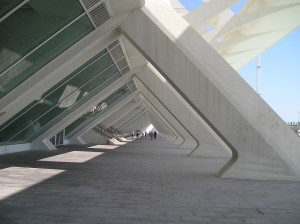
[77, 72]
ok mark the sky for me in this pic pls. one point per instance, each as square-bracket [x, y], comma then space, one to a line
[280, 71]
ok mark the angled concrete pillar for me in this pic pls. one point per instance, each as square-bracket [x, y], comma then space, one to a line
[165, 129]
[138, 120]
[121, 112]
[161, 126]
[208, 11]
[55, 71]
[263, 146]
[188, 140]
[154, 96]
[122, 123]
[89, 124]
[64, 120]
[206, 144]
[112, 116]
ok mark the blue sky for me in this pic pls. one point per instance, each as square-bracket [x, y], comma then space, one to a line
[280, 74]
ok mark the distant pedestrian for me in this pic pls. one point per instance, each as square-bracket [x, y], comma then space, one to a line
[151, 135]
[132, 134]
[154, 134]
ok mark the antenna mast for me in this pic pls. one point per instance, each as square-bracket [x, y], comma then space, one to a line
[258, 75]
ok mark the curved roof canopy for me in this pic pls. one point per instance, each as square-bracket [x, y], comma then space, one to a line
[241, 37]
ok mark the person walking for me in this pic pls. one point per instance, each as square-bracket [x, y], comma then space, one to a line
[151, 135]
[154, 134]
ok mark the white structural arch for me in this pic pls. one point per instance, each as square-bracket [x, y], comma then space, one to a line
[241, 37]
[110, 67]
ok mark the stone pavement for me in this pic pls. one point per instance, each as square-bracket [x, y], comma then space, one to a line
[143, 182]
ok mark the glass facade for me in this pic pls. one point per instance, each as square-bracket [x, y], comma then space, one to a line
[6, 6]
[63, 98]
[102, 107]
[35, 34]
[32, 35]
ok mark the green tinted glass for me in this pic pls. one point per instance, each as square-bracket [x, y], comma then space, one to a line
[103, 106]
[30, 26]
[60, 100]
[6, 6]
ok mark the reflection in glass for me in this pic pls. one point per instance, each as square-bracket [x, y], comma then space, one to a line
[102, 107]
[60, 100]
[29, 27]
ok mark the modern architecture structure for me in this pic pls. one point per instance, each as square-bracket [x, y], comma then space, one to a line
[87, 71]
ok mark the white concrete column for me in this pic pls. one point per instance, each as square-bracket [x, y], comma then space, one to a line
[163, 126]
[259, 139]
[138, 120]
[89, 124]
[208, 11]
[154, 96]
[173, 124]
[206, 145]
[69, 118]
[55, 71]
[126, 120]
[120, 113]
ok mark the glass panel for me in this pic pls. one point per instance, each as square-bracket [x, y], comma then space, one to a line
[6, 6]
[103, 106]
[60, 100]
[32, 24]
[59, 138]
[75, 124]
[44, 54]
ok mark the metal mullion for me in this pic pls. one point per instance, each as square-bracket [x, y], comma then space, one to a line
[41, 44]
[13, 10]
[124, 52]
[90, 9]
[56, 89]
[47, 112]
[113, 57]
[105, 110]
[130, 87]
[133, 119]
[113, 99]
[54, 107]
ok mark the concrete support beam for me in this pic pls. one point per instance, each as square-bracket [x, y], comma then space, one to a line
[161, 126]
[121, 124]
[209, 10]
[87, 133]
[188, 140]
[139, 120]
[154, 96]
[64, 120]
[157, 126]
[55, 71]
[89, 124]
[199, 140]
[121, 112]
[264, 146]
[91, 137]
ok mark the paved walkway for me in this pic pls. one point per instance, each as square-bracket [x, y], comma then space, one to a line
[141, 182]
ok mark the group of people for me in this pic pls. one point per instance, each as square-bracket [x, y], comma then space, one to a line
[144, 134]
[152, 134]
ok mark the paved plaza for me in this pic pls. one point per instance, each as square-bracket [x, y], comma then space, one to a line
[142, 181]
